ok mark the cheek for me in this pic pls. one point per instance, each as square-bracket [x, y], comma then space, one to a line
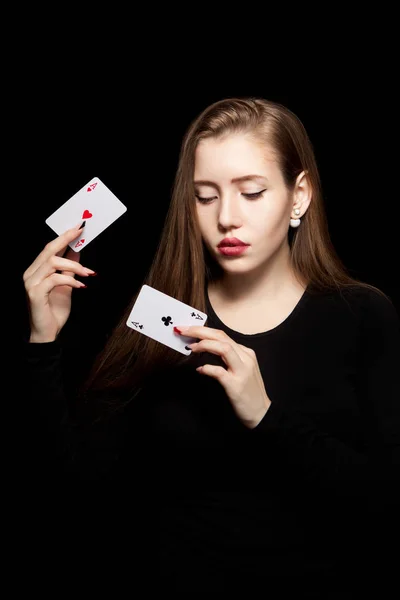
[267, 217]
[204, 224]
[270, 224]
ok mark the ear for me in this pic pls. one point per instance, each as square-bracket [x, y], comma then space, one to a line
[302, 194]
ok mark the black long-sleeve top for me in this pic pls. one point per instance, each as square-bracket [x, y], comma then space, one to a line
[303, 495]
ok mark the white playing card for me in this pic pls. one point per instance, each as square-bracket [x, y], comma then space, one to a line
[95, 204]
[155, 314]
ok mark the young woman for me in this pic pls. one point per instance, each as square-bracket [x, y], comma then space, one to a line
[273, 463]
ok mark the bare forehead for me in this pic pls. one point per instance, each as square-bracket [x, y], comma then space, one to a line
[235, 158]
[249, 140]
[234, 145]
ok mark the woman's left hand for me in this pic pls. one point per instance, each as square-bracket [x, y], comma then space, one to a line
[242, 380]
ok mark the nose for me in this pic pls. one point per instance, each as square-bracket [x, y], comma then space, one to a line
[228, 213]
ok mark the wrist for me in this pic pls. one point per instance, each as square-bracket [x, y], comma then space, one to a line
[254, 422]
[259, 418]
[38, 339]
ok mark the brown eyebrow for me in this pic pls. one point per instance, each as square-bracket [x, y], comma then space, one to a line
[235, 180]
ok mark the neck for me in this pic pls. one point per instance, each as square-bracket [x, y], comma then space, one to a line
[267, 282]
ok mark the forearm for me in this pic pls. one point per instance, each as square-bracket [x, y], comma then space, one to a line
[81, 453]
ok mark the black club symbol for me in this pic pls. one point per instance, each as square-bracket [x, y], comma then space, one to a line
[167, 321]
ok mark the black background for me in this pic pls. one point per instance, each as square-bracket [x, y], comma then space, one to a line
[92, 98]
[110, 93]
[131, 140]
[119, 112]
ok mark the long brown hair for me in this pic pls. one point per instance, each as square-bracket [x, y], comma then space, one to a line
[182, 265]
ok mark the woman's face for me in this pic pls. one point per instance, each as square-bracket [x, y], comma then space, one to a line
[240, 192]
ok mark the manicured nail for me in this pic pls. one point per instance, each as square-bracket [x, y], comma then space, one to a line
[83, 225]
[181, 329]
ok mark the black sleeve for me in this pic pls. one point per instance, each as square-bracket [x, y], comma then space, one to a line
[77, 451]
[371, 477]
[92, 500]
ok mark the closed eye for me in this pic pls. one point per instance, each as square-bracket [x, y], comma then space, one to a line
[253, 196]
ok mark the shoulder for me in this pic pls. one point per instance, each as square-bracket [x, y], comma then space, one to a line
[378, 316]
[374, 305]
[366, 307]
[365, 301]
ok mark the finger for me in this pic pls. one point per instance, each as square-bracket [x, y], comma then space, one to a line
[226, 351]
[55, 280]
[72, 258]
[67, 249]
[200, 332]
[54, 264]
[56, 246]
[218, 373]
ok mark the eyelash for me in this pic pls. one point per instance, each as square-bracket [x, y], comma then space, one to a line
[248, 196]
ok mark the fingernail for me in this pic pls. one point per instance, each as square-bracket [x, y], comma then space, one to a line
[181, 329]
[83, 225]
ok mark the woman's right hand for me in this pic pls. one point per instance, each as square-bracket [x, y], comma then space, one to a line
[49, 292]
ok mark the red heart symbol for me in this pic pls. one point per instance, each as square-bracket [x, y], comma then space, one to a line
[82, 241]
[89, 189]
[86, 214]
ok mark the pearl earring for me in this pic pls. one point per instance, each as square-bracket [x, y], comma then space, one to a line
[295, 222]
